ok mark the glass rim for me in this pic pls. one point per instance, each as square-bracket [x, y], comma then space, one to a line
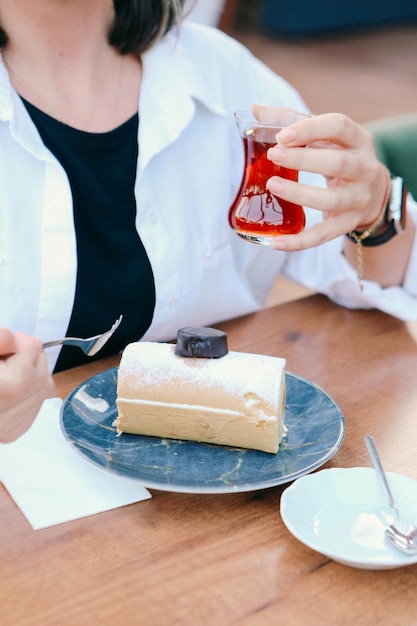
[246, 116]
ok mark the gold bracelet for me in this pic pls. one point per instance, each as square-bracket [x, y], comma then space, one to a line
[358, 238]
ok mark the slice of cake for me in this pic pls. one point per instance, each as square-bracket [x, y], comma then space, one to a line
[227, 398]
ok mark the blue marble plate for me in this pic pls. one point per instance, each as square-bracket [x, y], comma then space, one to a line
[315, 424]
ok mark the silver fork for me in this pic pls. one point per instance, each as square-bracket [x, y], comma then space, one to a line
[90, 345]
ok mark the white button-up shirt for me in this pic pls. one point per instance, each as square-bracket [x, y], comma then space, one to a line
[189, 169]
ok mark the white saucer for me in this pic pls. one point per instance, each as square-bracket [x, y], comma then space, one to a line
[342, 513]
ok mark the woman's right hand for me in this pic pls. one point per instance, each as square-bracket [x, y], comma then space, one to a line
[24, 382]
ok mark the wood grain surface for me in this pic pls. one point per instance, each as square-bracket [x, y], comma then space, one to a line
[228, 559]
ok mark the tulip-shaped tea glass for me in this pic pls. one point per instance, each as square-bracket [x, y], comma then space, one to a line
[256, 214]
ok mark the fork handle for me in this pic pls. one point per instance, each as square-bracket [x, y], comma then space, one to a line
[59, 342]
[49, 344]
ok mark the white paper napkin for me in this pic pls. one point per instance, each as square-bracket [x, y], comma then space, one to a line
[51, 483]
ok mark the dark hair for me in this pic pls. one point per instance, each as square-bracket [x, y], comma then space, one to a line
[137, 23]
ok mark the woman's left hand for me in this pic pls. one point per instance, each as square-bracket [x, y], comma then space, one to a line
[336, 147]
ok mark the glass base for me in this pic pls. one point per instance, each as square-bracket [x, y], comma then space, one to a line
[263, 240]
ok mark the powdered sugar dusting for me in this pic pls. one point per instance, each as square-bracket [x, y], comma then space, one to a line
[150, 366]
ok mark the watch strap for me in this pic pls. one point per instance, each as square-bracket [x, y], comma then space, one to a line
[380, 239]
[394, 213]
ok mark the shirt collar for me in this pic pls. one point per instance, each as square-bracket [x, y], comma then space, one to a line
[13, 112]
[172, 85]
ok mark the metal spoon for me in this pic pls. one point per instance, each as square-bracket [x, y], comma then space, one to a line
[402, 535]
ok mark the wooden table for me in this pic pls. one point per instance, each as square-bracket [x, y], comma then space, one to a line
[228, 559]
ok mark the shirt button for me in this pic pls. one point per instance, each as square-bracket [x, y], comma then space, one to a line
[153, 217]
[173, 303]
[209, 254]
[2, 262]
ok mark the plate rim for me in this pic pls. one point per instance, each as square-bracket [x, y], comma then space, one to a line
[396, 560]
[217, 489]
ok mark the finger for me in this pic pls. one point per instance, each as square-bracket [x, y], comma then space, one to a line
[334, 127]
[325, 199]
[16, 421]
[7, 342]
[332, 163]
[31, 345]
[16, 378]
[25, 372]
[276, 116]
[314, 236]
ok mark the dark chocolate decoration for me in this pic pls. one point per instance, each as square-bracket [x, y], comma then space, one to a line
[206, 343]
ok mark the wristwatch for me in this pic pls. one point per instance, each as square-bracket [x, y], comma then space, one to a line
[395, 213]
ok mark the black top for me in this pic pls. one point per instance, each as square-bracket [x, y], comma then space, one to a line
[114, 275]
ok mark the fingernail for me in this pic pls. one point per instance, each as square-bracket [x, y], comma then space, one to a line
[276, 154]
[275, 185]
[278, 244]
[286, 136]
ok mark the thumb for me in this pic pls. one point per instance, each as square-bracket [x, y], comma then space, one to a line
[7, 342]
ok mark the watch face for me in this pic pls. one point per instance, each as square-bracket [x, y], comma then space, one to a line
[396, 211]
[403, 207]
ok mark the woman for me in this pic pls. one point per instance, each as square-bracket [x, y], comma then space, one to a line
[119, 159]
